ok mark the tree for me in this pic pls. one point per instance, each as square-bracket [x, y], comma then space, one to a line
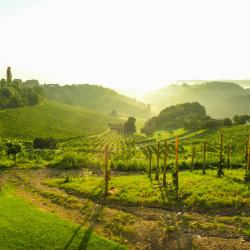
[227, 122]
[17, 95]
[241, 119]
[13, 149]
[9, 75]
[41, 143]
[114, 113]
[129, 126]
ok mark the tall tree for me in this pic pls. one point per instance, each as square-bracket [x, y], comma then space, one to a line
[9, 75]
[129, 126]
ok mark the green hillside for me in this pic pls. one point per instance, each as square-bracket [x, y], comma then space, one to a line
[96, 97]
[52, 120]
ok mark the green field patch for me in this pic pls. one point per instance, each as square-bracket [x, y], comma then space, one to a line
[52, 120]
[23, 226]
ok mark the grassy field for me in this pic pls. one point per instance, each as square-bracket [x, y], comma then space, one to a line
[52, 120]
[196, 191]
[23, 226]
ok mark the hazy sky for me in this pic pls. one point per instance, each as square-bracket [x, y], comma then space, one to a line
[133, 45]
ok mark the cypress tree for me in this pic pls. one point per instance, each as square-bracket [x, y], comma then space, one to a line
[9, 75]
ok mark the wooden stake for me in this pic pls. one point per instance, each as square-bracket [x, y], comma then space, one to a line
[165, 164]
[248, 158]
[106, 170]
[220, 171]
[150, 164]
[158, 160]
[204, 158]
[228, 156]
[193, 155]
[176, 173]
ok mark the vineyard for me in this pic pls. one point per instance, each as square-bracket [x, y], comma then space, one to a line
[134, 150]
[120, 182]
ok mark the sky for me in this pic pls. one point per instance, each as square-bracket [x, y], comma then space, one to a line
[134, 46]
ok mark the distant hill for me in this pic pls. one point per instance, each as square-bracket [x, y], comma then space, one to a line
[243, 83]
[189, 115]
[221, 99]
[52, 120]
[96, 97]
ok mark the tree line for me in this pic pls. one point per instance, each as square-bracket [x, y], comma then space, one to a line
[191, 116]
[15, 93]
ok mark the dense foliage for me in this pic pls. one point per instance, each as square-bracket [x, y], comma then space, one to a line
[188, 115]
[129, 126]
[241, 119]
[16, 94]
[44, 143]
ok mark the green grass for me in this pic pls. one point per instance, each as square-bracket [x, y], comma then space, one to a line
[196, 191]
[160, 135]
[23, 226]
[52, 120]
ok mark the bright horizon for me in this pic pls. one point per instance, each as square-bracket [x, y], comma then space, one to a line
[131, 46]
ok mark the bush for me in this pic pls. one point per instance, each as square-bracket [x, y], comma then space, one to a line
[44, 143]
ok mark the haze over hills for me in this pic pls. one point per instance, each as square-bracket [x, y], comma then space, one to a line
[221, 99]
[97, 98]
[245, 83]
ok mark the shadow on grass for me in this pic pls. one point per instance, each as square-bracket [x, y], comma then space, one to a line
[72, 238]
[167, 193]
[85, 240]
[92, 218]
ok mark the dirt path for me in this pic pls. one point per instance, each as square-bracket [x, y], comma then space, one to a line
[137, 227]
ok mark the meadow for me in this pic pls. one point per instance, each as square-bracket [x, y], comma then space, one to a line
[52, 119]
[31, 228]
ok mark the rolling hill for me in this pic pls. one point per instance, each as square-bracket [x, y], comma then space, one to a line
[221, 99]
[98, 98]
[52, 120]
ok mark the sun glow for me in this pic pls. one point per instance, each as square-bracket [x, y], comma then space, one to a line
[133, 46]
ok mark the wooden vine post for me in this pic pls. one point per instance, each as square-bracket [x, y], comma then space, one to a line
[165, 163]
[158, 161]
[228, 156]
[247, 142]
[193, 155]
[204, 158]
[248, 158]
[220, 171]
[150, 163]
[176, 172]
[106, 154]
